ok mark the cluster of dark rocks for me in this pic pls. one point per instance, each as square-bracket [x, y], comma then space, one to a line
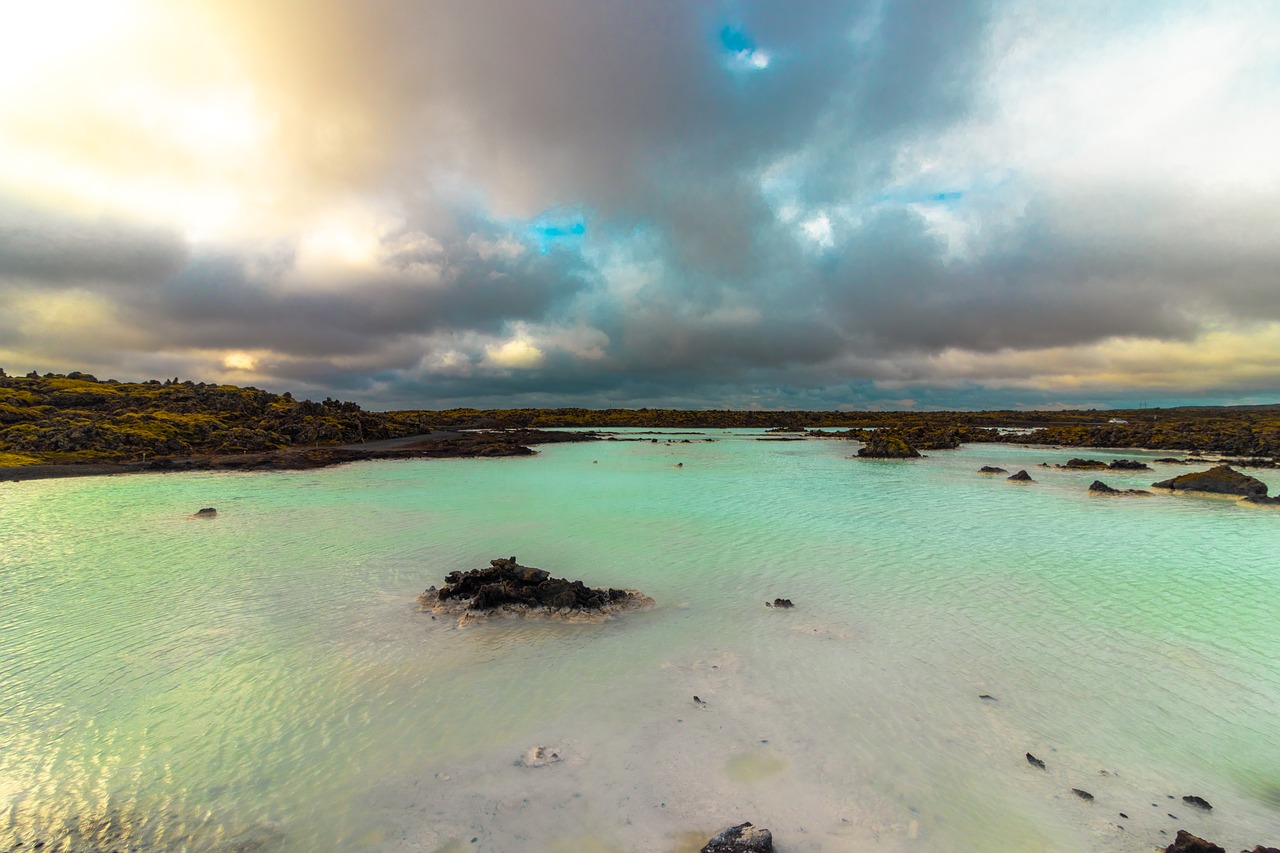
[1219, 480]
[1185, 842]
[1096, 464]
[506, 585]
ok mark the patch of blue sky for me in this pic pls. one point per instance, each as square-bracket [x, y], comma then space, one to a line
[741, 53]
[915, 196]
[556, 229]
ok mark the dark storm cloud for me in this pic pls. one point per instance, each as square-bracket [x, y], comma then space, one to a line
[215, 302]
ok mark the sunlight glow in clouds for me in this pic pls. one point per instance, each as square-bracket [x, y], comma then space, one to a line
[240, 361]
[519, 353]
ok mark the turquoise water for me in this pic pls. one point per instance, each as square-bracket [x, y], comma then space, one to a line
[263, 680]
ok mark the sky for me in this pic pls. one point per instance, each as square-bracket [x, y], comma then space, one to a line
[866, 204]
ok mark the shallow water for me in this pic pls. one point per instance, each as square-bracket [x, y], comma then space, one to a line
[264, 681]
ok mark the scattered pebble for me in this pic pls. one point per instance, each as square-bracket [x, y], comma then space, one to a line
[1084, 795]
[1034, 762]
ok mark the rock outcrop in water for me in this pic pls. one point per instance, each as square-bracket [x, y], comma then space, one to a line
[506, 586]
[1083, 464]
[1220, 480]
[881, 446]
[1021, 477]
[207, 512]
[992, 469]
[743, 838]
[1128, 465]
[1100, 488]
[1188, 843]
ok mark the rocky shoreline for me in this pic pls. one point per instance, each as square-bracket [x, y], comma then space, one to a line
[439, 444]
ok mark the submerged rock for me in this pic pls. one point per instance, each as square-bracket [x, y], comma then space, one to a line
[207, 512]
[991, 469]
[1101, 488]
[743, 838]
[125, 828]
[1021, 477]
[782, 603]
[510, 587]
[1220, 480]
[1034, 762]
[539, 756]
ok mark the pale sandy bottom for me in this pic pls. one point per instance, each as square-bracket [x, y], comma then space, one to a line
[669, 783]
[669, 772]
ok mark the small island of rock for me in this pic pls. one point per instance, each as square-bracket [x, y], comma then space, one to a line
[506, 587]
[882, 446]
[1101, 488]
[1078, 464]
[1221, 480]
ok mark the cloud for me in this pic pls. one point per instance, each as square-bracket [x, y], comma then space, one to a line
[45, 247]
[614, 202]
[517, 353]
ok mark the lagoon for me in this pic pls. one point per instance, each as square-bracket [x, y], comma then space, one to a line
[263, 680]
